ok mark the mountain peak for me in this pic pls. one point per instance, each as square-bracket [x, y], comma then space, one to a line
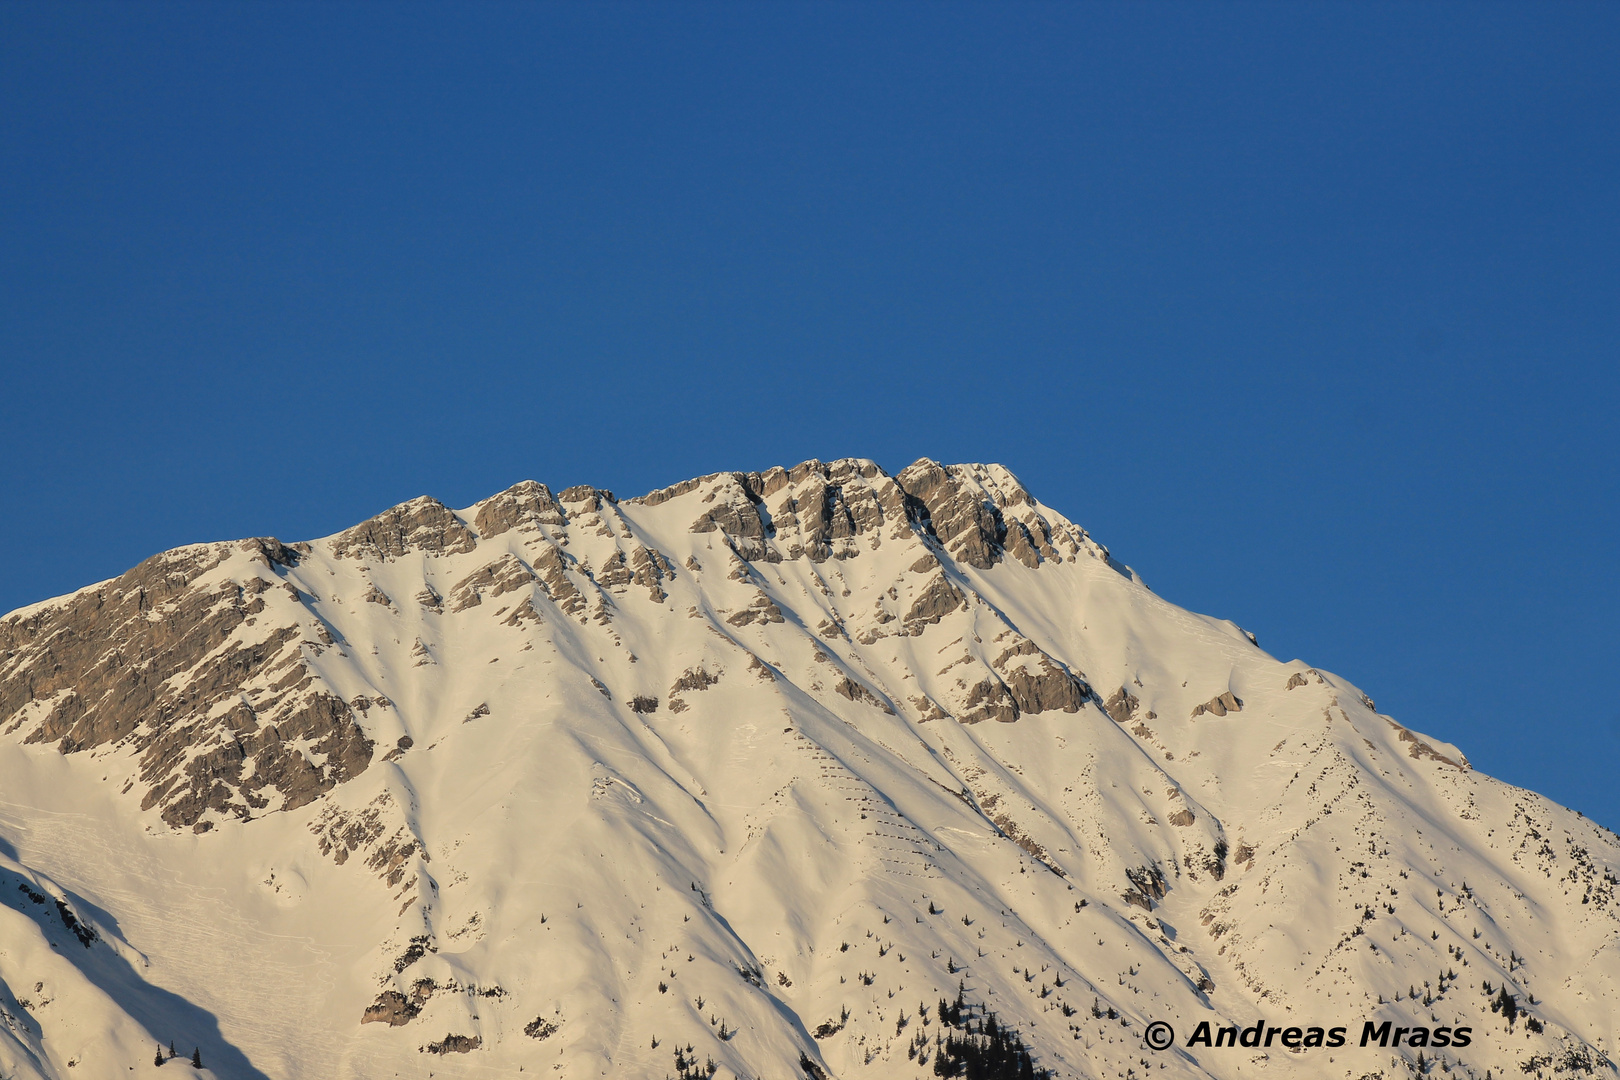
[753, 764]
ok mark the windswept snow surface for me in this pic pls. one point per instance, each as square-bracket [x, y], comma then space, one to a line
[762, 764]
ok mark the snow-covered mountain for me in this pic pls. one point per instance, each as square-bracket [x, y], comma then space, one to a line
[751, 771]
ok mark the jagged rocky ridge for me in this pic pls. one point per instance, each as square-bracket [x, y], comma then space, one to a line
[756, 764]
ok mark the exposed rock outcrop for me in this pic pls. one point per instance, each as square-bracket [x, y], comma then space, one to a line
[1121, 706]
[504, 575]
[396, 1009]
[1219, 705]
[158, 660]
[424, 524]
[525, 505]
[1024, 679]
[955, 512]
[455, 1044]
[938, 598]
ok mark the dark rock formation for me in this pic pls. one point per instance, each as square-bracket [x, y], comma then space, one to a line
[735, 515]
[455, 1044]
[1121, 706]
[1148, 886]
[694, 679]
[504, 575]
[395, 1009]
[967, 526]
[855, 691]
[143, 661]
[521, 505]
[1219, 705]
[1012, 689]
[938, 598]
[423, 524]
[552, 568]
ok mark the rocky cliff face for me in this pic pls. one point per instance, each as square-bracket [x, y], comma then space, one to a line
[757, 764]
[199, 673]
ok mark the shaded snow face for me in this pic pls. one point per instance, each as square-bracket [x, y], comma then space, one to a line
[763, 765]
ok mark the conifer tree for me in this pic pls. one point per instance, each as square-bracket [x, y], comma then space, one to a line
[196, 1057]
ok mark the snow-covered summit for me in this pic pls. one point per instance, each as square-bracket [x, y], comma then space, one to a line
[757, 764]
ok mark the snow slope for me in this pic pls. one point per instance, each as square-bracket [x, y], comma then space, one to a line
[762, 764]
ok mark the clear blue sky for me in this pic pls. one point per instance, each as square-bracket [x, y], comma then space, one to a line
[1309, 311]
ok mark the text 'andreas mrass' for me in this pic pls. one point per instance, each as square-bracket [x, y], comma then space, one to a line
[1261, 1034]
